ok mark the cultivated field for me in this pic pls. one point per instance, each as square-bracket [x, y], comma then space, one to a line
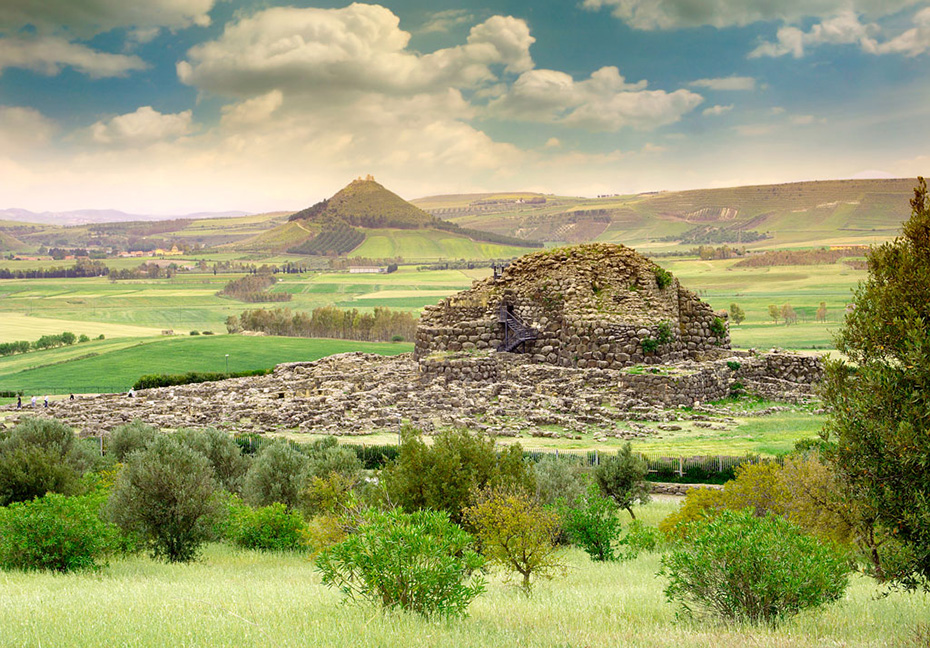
[243, 598]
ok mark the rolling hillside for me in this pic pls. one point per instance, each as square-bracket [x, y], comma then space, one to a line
[839, 212]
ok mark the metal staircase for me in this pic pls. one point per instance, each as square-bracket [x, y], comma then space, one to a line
[515, 331]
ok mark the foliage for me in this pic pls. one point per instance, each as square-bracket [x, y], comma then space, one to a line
[822, 312]
[54, 533]
[718, 329]
[737, 314]
[221, 450]
[253, 288]
[151, 381]
[591, 523]
[326, 456]
[557, 478]
[277, 474]
[165, 494]
[445, 475]
[769, 258]
[382, 324]
[640, 538]
[335, 239]
[745, 568]
[774, 313]
[788, 315]
[880, 401]
[128, 438]
[40, 456]
[623, 478]
[420, 562]
[663, 278]
[269, 528]
[517, 533]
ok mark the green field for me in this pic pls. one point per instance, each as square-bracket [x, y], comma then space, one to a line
[113, 366]
[429, 245]
[242, 598]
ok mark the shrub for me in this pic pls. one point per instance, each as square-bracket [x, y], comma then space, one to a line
[557, 478]
[165, 494]
[54, 533]
[40, 456]
[445, 475]
[697, 505]
[733, 365]
[326, 456]
[150, 381]
[623, 478]
[277, 474]
[744, 568]
[195, 332]
[420, 562]
[517, 533]
[270, 528]
[128, 438]
[719, 329]
[592, 524]
[206, 332]
[83, 338]
[640, 538]
[663, 278]
[221, 450]
[650, 345]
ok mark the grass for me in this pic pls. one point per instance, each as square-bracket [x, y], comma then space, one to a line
[429, 245]
[117, 367]
[242, 598]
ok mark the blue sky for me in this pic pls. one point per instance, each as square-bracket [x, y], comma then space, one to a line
[176, 106]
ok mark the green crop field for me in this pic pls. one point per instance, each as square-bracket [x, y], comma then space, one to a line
[243, 598]
[112, 366]
[427, 245]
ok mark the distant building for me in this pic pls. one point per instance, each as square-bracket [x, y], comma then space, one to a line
[366, 270]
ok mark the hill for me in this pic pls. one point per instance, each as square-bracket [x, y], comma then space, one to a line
[841, 212]
[365, 203]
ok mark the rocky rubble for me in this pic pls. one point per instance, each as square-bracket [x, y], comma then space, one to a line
[357, 393]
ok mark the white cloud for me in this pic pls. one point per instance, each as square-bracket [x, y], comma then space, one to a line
[143, 127]
[86, 18]
[803, 120]
[679, 14]
[359, 48]
[553, 142]
[912, 42]
[603, 102]
[47, 55]
[443, 21]
[726, 83]
[717, 110]
[252, 111]
[842, 29]
[23, 129]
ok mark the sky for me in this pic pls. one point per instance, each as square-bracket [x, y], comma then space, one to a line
[181, 106]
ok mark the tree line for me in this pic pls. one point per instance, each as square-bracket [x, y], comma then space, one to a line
[382, 325]
[253, 289]
[81, 268]
[45, 342]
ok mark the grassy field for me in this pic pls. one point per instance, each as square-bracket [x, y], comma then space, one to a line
[429, 245]
[113, 366]
[243, 598]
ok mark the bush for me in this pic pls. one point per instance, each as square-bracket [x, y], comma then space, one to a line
[744, 568]
[419, 562]
[623, 478]
[517, 533]
[54, 533]
[558, 479]
[445, 475]
[277, 474]
[166, 495]
[270, 528]
[640, 538]
[663, 278]
[83, 338]
[151, 381]
[592, 524]
[40, 456]
[206, 332]
[719, 329]
[195, 332]
[221, 450]
[128, 438]
[326, 456]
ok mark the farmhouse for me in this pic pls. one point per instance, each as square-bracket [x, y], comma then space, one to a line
[588, 306]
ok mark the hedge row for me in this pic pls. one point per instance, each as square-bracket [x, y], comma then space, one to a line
[150, 381]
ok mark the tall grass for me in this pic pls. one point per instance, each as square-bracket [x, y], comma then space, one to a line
[243, 598]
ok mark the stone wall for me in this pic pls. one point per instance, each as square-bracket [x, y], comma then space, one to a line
[777, 375]
[590, 306]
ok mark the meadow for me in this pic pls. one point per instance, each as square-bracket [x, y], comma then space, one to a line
[237, 598]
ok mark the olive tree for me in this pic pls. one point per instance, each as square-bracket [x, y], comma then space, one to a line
[880, 398]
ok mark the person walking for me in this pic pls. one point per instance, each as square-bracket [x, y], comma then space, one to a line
[19, 402]
[46, 400]
[33, 402]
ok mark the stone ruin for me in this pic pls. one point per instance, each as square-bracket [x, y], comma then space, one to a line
[588, 339]
[588, 306]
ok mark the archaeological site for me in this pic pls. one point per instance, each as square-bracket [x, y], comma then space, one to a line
[587, 339]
